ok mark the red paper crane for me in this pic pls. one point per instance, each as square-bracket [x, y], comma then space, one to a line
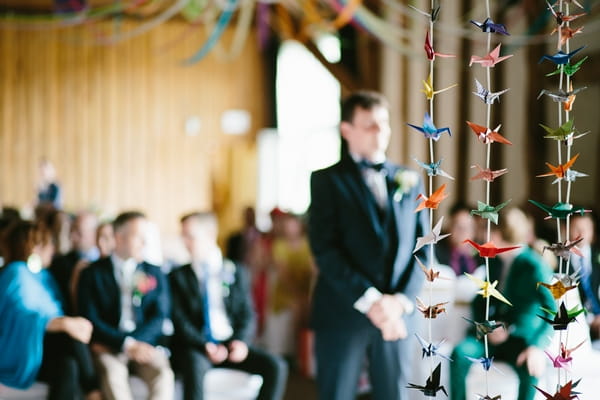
[489, 249]
[430, 52]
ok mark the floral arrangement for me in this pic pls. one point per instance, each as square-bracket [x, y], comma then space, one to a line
[406, 180]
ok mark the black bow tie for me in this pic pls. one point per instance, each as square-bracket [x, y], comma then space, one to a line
[363, 164]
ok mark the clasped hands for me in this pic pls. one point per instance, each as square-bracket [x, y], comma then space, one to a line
[386, 314]
[236, 351]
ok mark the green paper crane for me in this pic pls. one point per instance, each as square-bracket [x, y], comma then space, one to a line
[560, 210]
[568, 68]
[489, 212]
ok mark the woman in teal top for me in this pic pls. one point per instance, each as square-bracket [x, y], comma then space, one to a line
[38, 342]
[525, 335]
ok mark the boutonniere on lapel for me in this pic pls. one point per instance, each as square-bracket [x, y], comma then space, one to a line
[142, 284]
[405, 180]
[227, 276]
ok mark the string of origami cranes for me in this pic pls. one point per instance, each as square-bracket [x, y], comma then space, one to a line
[566, 133]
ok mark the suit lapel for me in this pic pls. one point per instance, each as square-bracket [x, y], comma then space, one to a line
[110, 284]
[355, 183]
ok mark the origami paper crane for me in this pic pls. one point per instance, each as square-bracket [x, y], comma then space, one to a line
[568, 68]
[482, 397]
[434, 200]
[564, 393]
[432, 384]
[432, 237]
[488, 212]
[432, 311]
[566, 353]
[433, 15]
[558, 361]
[489, 249]
[488, 289]
[557, 288]
[429, 130]
[571, 175]
[570, 2]
[429, 349]
[560, 57]
[560, 17]
[433, 169]
[565, 249]
[560, 95]
[486, 135]
[568, 105]
[560, 210]
[566, 33]
[489, 60]
[485, 327]
[487, 174]
[562, 318]
[564, 132]
[431, 54]
[487, 96]
[568, 280]
[560, 170]
[486, 362]
[428, 88]
[488, 26]
[430, 274]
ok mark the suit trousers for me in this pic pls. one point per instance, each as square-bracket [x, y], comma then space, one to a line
[342, 353]
[67, 368]
[113, 370]
[507, 351]
[193, 365]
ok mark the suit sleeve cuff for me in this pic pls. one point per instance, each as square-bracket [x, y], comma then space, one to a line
[366, 301]
[407, 304]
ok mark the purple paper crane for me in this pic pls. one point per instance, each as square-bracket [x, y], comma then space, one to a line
[488, 26]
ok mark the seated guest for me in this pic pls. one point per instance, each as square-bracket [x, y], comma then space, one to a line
[105, 239]
[524, 335]
[589, 265]
[66, 267]
[213, 317]
[126, 300]
[38, 342]
[452, 251]
[48, 188]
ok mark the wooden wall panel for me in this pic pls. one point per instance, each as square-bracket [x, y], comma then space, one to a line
[112, 120]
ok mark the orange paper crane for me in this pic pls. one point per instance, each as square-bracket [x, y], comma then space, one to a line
[489, 249]
[486, 135]
[432, 201]
[560, 171]
[489, 60]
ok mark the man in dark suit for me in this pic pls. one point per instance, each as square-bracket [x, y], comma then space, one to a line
[213, 317]
[589, 286]
[126, 300]
[66, 267]
[362, 231]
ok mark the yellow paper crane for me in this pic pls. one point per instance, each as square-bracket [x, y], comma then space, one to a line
[428, 88]
[558, 289]
[488, 289]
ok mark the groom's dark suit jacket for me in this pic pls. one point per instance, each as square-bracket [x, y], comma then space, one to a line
[100, 302]
[356, 246]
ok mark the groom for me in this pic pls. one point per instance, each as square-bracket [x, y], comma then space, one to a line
[362, 231]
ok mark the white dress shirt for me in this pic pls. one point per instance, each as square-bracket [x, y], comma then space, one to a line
[220, 325]
[124, 271]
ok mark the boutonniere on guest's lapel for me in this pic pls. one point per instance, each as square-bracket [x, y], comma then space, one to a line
[228, 276]
[142, 284]
[405, 180]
